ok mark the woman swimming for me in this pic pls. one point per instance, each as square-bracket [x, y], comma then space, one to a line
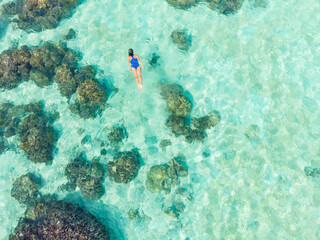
[134, 60]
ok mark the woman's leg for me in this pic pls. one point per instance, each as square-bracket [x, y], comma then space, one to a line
[140, 76]
[135, 76]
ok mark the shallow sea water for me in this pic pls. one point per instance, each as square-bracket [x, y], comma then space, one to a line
[259, 68]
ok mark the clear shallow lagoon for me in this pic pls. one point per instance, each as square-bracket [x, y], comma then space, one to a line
[259, 68]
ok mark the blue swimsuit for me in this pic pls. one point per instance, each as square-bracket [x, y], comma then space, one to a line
[134, 62]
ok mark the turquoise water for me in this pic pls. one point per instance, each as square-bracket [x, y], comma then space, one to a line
[259, 68]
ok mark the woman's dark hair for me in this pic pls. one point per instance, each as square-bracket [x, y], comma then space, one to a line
[130, 51]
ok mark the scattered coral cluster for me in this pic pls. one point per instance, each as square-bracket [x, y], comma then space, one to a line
[163, 177]
[49, 218]
[179, 121]
[176, 206]
[37, 136]
[26, 189]
[37, 64]
[88, 176]
[117, 135]
[38, 15]
[125, 166]
[91, 99]
[181, 39]
[59, 63]
[223, 6]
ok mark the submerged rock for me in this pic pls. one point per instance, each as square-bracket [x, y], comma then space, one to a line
[65, 78]
[26, 188]
[37, 138]
[165, 143]
[177, 102]
[225, 6]
[91, 98]
[163, 177]
[180, 199]
[179, 120]
[154, 61]
[125, 166]
[37, 64]
[38, 15]
[117, 135]
[49, 218]
[181, 39]
[178, 125]
[230, 6]
[14, 67]
[312, 172]
[70, 35]
[182, 4]
[206, 122]
[88, 176]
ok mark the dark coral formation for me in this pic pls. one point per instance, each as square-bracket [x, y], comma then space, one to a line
[182, 4]
[69, 78]
[38, 15]
[125, 166]
[312, 172]
[37, 64]
[179, 122]
[14, 67]
[91, 98]
[88, 176]
[37, 137]
[51, 219]
[225, 6]
[177, 102]
[117, 135]
[163, 177]
[59, 63]
[181, 39]
[70, 35]
[177, 205]
[26, 188]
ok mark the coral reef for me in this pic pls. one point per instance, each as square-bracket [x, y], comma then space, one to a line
[180, 199]
[154, 61]
[165, 143]
[65, 78]
[177, 102]
[125, 166]
[70, 35]
[225, 6]
[312, 172]
[54, 61]
[37, 64]
[117, 135]
[26, 188]
[51, 219]
[38, 15]
[91, 99]
[229, 6]
[182, 4]
[88, 176]
[163, 177]
[37, 137]
[69, 78]
[179, 121]
[14, 67]
[181, 39]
